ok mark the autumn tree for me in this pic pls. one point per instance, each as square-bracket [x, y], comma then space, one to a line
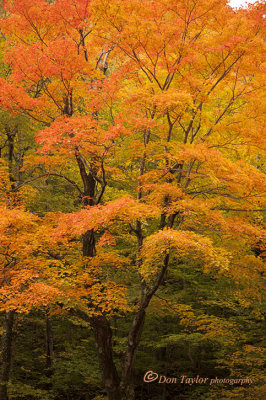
[23, 285]
[151, 111]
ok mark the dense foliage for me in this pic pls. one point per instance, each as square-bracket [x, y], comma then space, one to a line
[132, 196]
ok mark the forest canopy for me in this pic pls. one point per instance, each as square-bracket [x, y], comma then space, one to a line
[132, 200]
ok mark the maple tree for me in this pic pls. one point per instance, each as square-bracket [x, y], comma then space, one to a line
[151, 112]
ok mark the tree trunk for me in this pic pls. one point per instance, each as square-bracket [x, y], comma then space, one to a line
[134, 336]
[6, 355]
[49, 344]
[88, 244]
[103, 337]
[7, 337]
[135, 332]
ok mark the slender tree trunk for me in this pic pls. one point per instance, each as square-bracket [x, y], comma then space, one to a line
[49, 344]
[49, 351]
[10, 141]
[6, 355]
[134, 336]
[135, 332]
[127, 383]
[9, 318]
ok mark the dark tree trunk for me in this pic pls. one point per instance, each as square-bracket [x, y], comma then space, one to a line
[88, 244]
[48, 371]
[134, 336]
[10, 142]
[127, 383]
[9, 317]
[6, 355]
[49, 345]
[135, 332]
[103, 337]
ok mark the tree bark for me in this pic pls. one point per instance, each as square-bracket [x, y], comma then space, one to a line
[127, 383]
[135, 332]
[49, 345]
[9, 317]
[103, 336]
[6, 354]
[88, 244]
